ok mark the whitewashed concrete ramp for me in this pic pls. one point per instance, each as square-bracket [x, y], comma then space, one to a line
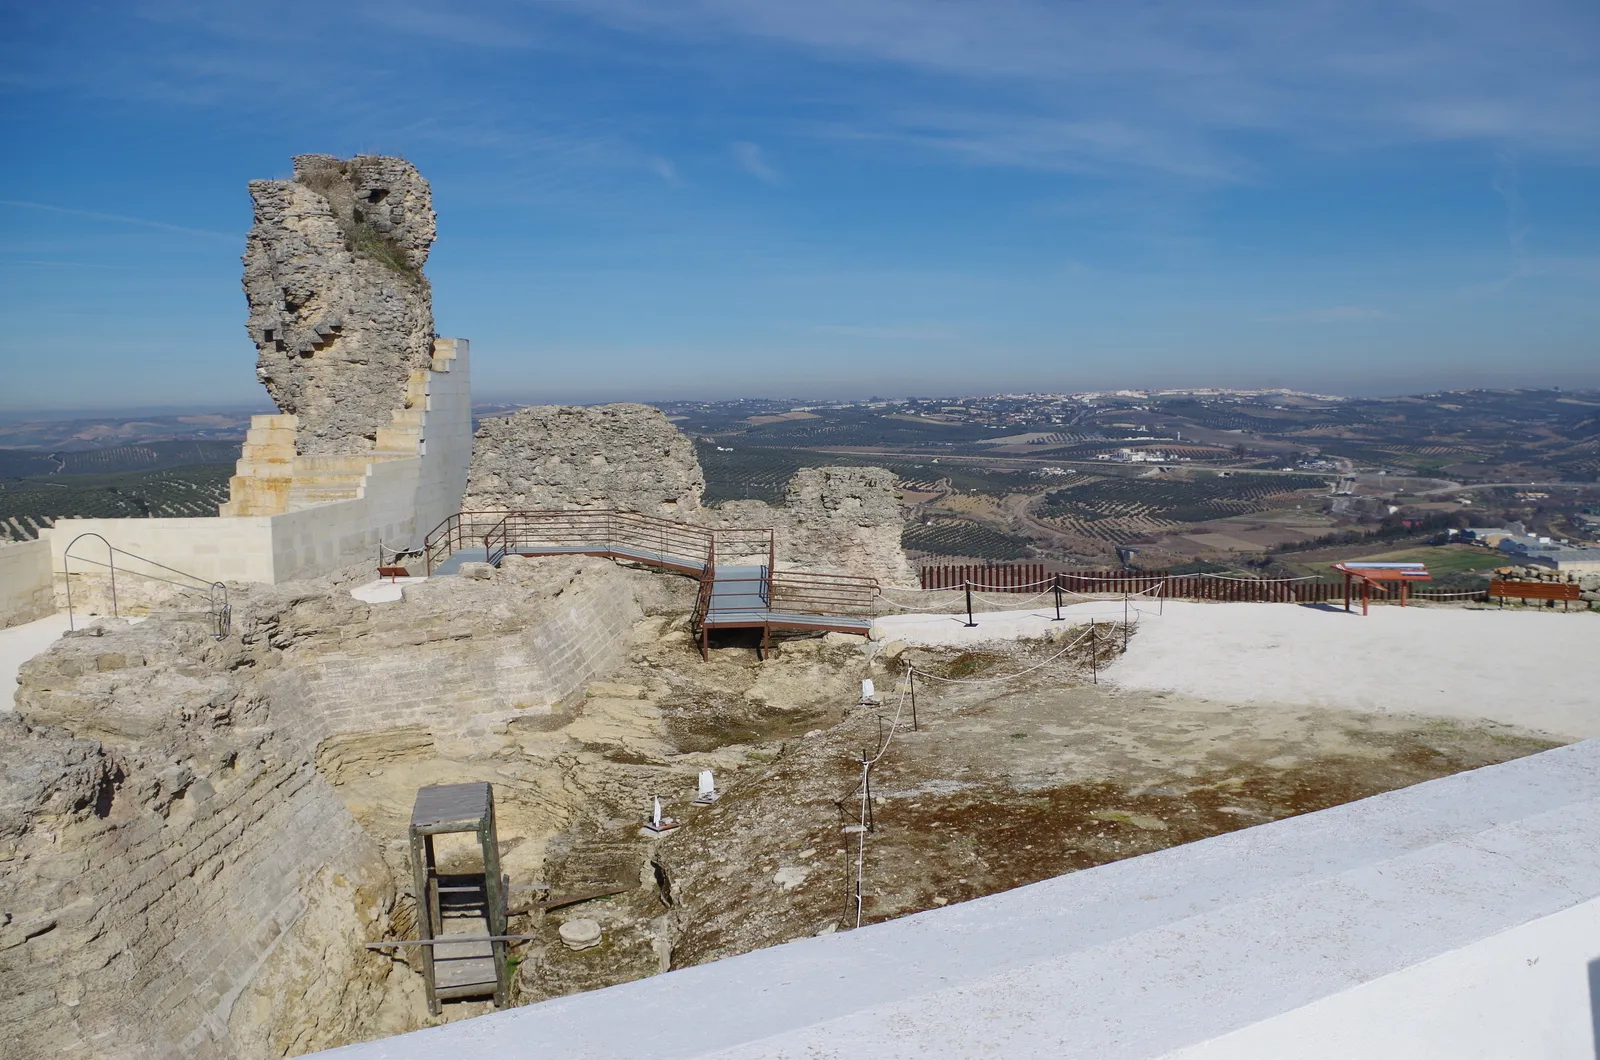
[1458, 918]
[18, 644]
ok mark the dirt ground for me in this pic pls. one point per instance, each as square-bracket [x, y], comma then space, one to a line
[998, 786]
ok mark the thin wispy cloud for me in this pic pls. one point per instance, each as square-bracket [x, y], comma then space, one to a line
[1189, 74]
[119, 219]
[753, 160]
[1119, 183]
[663, 168]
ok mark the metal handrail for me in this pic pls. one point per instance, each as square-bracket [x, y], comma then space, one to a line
[678, 544]
[217, 606]
[454, 533]
[808, 592]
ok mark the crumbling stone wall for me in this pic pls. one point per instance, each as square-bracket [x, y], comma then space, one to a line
[631, 457]
[180, 875]
[340, 311]
[173, 869]
[621, 456]
[840, 519]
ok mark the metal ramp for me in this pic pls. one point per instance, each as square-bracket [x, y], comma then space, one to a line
[757, 597]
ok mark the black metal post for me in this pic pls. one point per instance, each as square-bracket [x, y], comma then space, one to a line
[866, 780]
[914, 726]
[1094, 654]
[968, 584]
[1057, 588]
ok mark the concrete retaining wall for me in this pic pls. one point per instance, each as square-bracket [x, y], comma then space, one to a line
[446, 436]
[398, 502]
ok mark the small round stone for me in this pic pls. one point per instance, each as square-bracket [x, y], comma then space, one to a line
[580, 934]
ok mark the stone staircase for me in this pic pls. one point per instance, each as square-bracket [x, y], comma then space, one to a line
[272, 478]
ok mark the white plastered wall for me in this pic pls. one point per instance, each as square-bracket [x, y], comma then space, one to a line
[446, 437]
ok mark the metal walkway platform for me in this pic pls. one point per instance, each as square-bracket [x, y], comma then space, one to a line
[733, 595]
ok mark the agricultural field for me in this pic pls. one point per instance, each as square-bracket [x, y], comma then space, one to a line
[195, 490]
[145, 456]
[1442, 560]
[1118, 510]
[758, 472]
[958, 538]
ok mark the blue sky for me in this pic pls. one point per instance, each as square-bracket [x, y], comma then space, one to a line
[652, 199]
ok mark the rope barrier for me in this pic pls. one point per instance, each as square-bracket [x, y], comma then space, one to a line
[1007, 677]
[1258, 581]
[864, 786]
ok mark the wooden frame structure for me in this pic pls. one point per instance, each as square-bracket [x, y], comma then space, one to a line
[473, 902]
[1374, 575]
[1504, 589]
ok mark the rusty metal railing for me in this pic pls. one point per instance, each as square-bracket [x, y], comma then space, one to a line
[806, 592]
[459, 531]
[622, 535]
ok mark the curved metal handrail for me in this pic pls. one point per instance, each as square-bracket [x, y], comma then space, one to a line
[217, 605]
[66, 569]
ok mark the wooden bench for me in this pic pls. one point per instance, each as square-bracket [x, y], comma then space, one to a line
[393, 572]
[1566, 592]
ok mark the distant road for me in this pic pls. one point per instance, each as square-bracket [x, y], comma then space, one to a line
[1504, 485]
[1028, 463]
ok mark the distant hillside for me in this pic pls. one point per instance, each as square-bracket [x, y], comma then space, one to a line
[144, 456]
[30, 504]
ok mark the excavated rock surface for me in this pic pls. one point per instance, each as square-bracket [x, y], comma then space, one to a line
[170, 885]
[621, 456]
[196, 836]
[340, 311]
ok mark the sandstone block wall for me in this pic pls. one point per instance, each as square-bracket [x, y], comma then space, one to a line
[162, 883]
[456, 658]
[340, 311]
[622, 456]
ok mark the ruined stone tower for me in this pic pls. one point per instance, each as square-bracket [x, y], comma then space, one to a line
[340, 311]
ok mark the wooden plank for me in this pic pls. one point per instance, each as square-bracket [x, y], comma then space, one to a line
[1534, 590]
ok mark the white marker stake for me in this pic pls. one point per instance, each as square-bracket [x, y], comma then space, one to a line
[708, 785]
[655, 818]
[867, 691]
